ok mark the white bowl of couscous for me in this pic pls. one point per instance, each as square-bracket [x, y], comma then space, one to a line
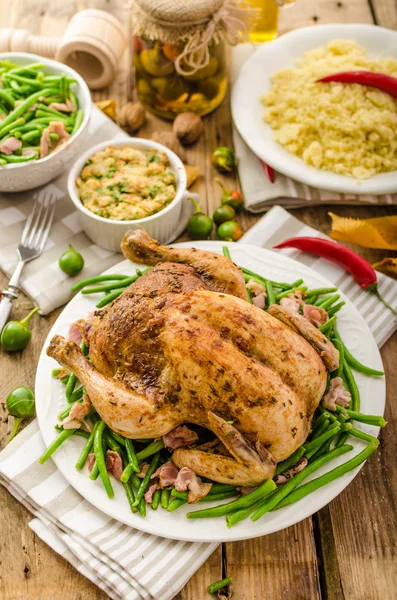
[332, 136]
[128, 183]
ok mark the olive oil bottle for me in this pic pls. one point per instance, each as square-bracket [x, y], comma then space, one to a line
[264, 27]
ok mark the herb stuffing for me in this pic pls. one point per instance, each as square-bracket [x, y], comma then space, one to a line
[126, 184]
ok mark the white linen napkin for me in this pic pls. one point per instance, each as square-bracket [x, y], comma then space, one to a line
[42, 279]
[124, 562]
[259, 193]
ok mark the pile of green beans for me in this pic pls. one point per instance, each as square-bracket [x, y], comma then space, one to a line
[326, 441]
[25, 98]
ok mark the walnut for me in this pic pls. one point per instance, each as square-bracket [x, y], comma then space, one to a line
[132, 116]
[188, 127]
[168, 139]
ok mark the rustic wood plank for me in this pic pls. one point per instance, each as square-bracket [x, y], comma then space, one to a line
[385, 13]
[278, 566]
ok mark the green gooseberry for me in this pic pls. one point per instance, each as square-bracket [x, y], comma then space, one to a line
[71, 262]
[20, 403]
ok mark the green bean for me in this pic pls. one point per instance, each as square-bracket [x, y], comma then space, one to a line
[66, 433]
[132, 461]
[23, 107]
[374, 420]
[100, 459]
[12, 158]
[290, 461]
[209, 497]
[55, 372]
[353, 388]
[42, 108]
[361, 435]
[339, 346]
[334, 309]
[54, 137]
[79, 120]
[327, 325]
[150, 450]
[175, 503]
[130, 496]
[87, 448]
[7, 98]
[242, 502]
[118, 438]
[248, 275]
[11, 126]
[146, 480]
[328, 302]
[52, 117]
[286, 293]
[84, 348]
[73, 98]
[271, 297]
[57, 79]
[84, 282]
[111, 443]
[65, 379]
[30, 135]
[81, 433]
[319, 421]
[321, 429]
[356, 364]
[70, 386]
[342, 439]
[156, 500]
[218, 488]
[226, 252]
[2, 161]
[110, 297]
[110, 286]
[315, 484]
[321, 291]
[317, 442]
[285, 489]
[218, 585]
[65, 413]
[24, 80]
[165, 494]
[249, 295]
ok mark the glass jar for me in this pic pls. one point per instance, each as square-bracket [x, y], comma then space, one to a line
[165, 92]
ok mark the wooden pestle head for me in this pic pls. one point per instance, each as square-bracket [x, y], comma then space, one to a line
[92, 44]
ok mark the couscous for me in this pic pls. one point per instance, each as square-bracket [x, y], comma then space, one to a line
[349, 129]
[126, 184]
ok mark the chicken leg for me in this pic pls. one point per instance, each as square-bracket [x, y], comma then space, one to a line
[125, 411]
[219, 273]
[246, 466]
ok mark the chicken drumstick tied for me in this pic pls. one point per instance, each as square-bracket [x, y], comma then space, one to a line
[182, 345]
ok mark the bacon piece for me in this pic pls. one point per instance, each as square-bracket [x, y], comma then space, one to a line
[289, 473]
[337, 394]
[290, 304]
[179, 437]
[259, 301]
[74, 333]
[149, 493]
[255, 288]
[167, 474]
[77, 413]
[114, 465]
[144, 467]
[245, 490]
[187, 480]
[10, 145]
[315, 314]
[46, 144]
[72, 424]
[28, 152]
[91, 461]
[67, 107]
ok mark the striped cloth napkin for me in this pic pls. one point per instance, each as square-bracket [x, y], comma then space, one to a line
[259, 193]
[42, 279]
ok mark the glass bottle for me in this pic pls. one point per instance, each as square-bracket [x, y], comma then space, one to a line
[166, 93]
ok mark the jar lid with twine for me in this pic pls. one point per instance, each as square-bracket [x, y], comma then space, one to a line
[195, 23]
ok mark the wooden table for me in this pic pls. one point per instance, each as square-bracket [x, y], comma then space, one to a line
[347, 550]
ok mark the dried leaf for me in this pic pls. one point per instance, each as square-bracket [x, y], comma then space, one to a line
[387, 265]
[192, 174]
[109, 107]
[380, 232]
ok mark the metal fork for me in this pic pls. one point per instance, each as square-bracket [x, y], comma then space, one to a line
[33, 239]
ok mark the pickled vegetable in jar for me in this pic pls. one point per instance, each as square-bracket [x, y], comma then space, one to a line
[180, 53]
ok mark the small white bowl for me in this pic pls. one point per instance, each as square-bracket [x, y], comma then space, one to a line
[26, 176]
[108, 233]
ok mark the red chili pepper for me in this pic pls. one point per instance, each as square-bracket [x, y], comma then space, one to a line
[378, 80]
[270, 172]
[359, 268]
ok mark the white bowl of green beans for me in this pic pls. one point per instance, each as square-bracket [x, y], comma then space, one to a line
[45, 106]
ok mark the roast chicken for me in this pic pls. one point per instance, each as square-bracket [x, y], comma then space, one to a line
[183, 345]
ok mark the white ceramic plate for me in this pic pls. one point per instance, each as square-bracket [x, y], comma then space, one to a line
[254, 80]
[50, 401]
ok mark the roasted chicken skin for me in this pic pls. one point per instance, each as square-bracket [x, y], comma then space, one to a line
[182, 345]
